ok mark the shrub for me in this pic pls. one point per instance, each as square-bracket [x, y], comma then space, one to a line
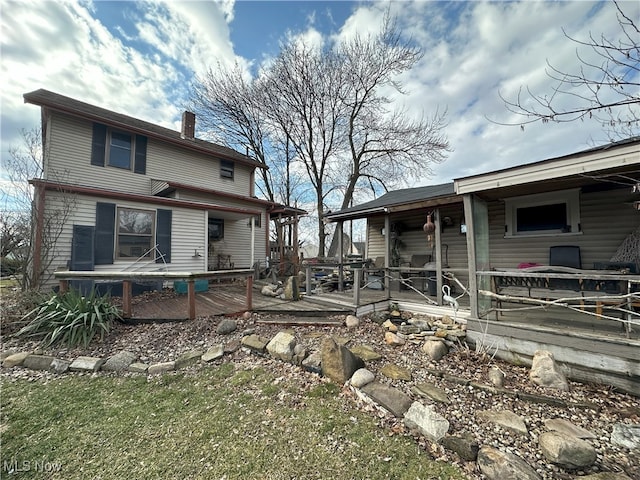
[70, 318]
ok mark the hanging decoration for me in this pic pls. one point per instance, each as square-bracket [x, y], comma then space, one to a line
[429, 228]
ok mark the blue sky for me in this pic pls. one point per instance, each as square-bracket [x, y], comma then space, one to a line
[138, 58]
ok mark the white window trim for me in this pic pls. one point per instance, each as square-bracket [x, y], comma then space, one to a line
[570, 197]
[132, 154]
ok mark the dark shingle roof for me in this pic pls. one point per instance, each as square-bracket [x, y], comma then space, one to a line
[395, 198]
[69, 105]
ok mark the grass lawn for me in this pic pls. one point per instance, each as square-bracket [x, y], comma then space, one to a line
[226, 421]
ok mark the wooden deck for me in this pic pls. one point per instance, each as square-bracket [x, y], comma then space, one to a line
[226, 299]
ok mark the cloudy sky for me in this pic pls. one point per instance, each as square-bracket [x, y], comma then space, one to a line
[138, 58]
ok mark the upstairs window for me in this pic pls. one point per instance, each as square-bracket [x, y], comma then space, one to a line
[554, 213]
[226, 169]
[120, 150]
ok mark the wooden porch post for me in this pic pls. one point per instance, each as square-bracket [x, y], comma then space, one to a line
[250, 292]
[64, 286]
[439, 264]
[471, 256]
[339, 227]
[357, 272]
[191, 298]
[126, 299]
[308, 279]
[387, 254]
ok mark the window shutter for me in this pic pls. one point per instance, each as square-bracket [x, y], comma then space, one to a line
[82, 255]
[105, 235]
[163, 236]
[140, 163]
[98, 144]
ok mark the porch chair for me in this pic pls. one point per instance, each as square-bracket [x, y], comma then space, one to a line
[565, 256]
[417, 279]
[376, 270]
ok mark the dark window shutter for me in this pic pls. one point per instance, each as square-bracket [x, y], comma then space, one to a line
[82, 255]
[98, 144]
[163, 235]
[105, 235]
[140, 163]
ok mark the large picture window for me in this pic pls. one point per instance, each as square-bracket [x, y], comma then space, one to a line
[135, 233]
[554, 213]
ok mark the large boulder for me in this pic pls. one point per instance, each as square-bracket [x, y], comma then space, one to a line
[545, 371]
[427, 421]
[392, 399]
[282, 345]
[567, 451]
[338, 363]
[498, 465]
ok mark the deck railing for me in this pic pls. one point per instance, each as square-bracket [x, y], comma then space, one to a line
[575, 289]
[128, 278]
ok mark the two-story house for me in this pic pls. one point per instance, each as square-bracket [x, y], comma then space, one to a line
[141, 197]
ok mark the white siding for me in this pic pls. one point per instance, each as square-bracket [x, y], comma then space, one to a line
[70, 161]
[605, 219]
[414, 240]
[188, 233]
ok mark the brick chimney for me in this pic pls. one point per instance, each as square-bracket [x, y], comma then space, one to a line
[188, 125]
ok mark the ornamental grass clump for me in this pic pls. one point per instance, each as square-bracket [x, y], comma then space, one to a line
[70, 318]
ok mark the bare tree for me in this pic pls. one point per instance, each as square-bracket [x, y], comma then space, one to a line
[385, 147]
[23, 208]
[321, 111]
[607, 90]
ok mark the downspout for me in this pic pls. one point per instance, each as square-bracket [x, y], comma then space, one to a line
[471, 255]
[253, 240]
[387, 249]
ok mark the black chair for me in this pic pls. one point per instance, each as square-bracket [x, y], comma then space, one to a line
[565, 256]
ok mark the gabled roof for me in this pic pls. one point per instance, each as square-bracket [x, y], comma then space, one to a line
[617, 156]
[61, 103]
[404, 199]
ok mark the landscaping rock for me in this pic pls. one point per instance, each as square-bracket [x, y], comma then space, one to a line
[498, 465]
[313, 363]
[565, 426]
[86, 364]
[15, 360]
[626, 435]
[465, 445]
[567, 451]
[436, 349]
[545, 371]
[213, 353]
[291, 289]
[6, 353]
[390, 398]
[428, 422]
[338, 363]
[390, 326]
[351, 321]
[281, 346]
[299, 354]
[395, 372]
[231, 347]
[119, 362]
[163, 367]
[496, 377]
[362, 377]
[38, 362]
[188, 358]
[391, 338]
[60, 366]
[226, 326]
[255, 343]
[504, 418]
[138, 367]
[366, 353]
[431, 391]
